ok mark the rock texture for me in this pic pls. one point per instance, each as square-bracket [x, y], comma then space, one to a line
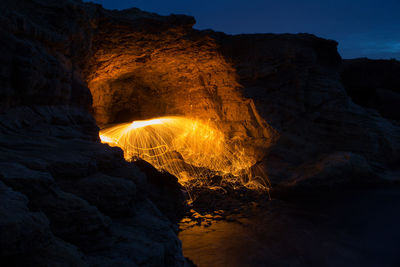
[155, 66]
[296, 87]
[68, 200]
[373, 84]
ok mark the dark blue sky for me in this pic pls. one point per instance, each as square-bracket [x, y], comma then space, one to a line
[363, 28]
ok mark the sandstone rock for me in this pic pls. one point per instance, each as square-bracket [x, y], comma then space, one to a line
[144, 72]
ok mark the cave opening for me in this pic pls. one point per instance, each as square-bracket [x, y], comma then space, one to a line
[195, 151]
[198, 124]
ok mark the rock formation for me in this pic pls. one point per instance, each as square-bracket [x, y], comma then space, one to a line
[281, 94]
[67, 66]
[295, 84]
[373, 84]
[66, 199]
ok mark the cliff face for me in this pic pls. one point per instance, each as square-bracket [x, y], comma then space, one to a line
[324, 138]
[373, 84]
[280, 94]
[155, 66]
[76, 201]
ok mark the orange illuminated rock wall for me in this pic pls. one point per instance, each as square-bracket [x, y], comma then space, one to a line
[280, 94]
[167, 69]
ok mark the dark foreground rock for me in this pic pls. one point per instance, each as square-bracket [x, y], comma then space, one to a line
[66, 199]
[77, 218]
[164, 191]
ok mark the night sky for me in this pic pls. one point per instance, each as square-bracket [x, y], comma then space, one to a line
[363, 28]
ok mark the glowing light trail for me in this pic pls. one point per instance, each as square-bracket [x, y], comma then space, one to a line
[187, 148]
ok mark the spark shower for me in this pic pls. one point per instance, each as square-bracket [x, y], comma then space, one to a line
[187, 148]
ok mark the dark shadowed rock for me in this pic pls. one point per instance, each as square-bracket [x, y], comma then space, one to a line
[113, 196]
[31, 182]
[164, 190]
[337, 170]
[74, 219]
[26, 238]
[22, 231]
[373, 84]
[132, 172]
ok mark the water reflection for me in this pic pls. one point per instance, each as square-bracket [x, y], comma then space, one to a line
[350, 229]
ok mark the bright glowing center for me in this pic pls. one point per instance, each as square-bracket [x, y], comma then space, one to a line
[139, 124]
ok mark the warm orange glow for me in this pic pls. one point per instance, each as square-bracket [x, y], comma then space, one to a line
[187, 148]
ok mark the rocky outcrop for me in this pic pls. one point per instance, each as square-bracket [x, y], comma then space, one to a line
[373, 84]
[93, 203]
[281, 95]
[296, 87]
[66, 199]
